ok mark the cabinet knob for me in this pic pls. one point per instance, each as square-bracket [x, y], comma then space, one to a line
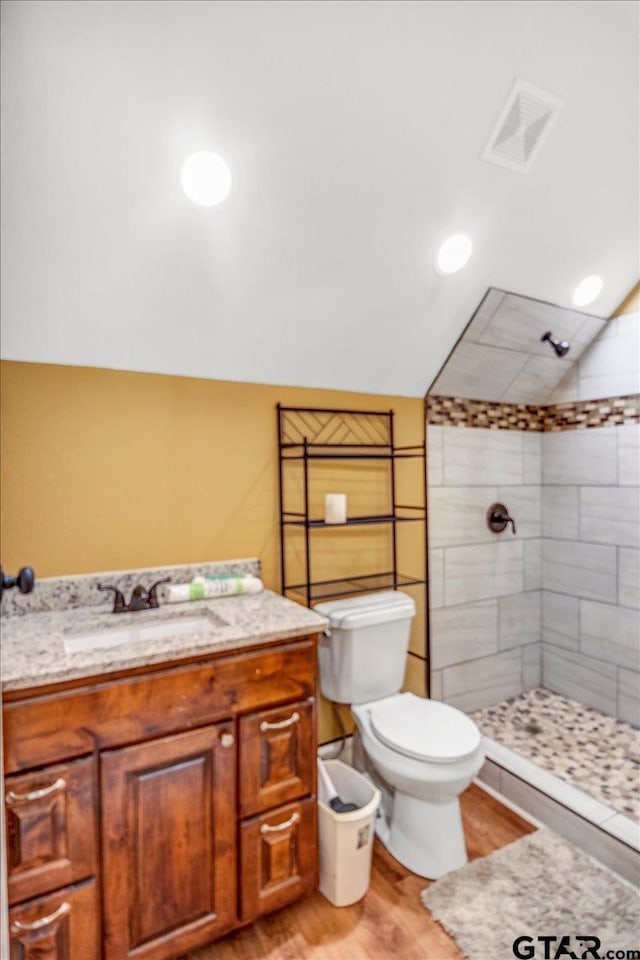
[227, 740]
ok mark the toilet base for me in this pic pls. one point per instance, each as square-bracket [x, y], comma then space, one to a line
[425, 837]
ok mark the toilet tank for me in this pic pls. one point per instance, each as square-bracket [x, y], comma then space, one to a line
[363, 652]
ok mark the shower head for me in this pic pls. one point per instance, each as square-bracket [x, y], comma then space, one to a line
[561, 347]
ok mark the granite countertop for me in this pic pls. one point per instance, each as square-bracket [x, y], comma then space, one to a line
[33, 648]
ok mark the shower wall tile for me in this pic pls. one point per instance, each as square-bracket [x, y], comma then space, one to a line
[577, 457]
[532, 565]
[629, 696]
[587, 571]
[581, 678]
[463, 632]
[560, 620]
[629, 454]
[519, 620]
[434, 455]
[610, 633]
[568, 474]
[479, 683]
[531, 666]
[457, 515]
[436, 579]
[606, 385]
[531, 458]
[492, 300]
[610, 365]
[629, 577]
[478, 371]
[536, 379]
[523, 503]
[560, 512]
[567, 389]
[490, 457]
[610, 515]
[483, 571]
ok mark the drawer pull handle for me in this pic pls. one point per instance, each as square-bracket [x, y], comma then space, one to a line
[289, 722]
[55, 787]
[19, 927]
[265, 828]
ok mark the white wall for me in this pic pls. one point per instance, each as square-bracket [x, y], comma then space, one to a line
[354, 132]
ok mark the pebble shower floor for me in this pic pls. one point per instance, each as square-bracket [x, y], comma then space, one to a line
[596, 753]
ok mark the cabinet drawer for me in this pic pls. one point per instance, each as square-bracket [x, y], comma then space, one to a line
[277, 756]
[49, 729]
[51, 828]
[60, 926]
[278, 858]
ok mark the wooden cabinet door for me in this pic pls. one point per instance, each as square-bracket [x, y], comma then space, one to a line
[277, 756]
[51, 828]
[169, 846]
[60, 926]
[279, 858]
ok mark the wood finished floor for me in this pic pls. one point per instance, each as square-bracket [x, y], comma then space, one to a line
[389, 922]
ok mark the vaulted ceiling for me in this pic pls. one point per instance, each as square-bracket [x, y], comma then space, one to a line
[354, 131]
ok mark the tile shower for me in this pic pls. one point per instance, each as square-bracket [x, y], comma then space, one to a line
[545, 623]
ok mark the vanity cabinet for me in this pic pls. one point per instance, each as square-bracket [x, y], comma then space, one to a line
[151, 813]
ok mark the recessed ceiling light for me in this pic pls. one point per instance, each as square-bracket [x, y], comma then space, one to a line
[587, 291]
[454, 253]
[206, 178]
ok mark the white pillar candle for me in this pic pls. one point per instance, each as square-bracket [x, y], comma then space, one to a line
[335, 508]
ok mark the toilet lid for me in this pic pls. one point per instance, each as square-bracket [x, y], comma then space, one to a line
[425, 729]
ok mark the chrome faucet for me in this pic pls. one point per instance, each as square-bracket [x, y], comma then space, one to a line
[141, 598]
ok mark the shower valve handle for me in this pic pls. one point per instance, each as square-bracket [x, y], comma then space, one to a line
[498, 518]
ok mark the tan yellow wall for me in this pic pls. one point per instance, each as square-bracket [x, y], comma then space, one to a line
[104, 470]
[631, 303]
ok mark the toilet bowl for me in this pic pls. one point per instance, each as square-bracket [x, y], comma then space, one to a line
[422, 754]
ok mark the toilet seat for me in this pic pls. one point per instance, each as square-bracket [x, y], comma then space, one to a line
[424, 729]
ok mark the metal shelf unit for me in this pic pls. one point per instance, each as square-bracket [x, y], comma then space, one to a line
[309, 434]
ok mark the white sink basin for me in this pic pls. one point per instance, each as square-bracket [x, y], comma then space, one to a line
[79, 641]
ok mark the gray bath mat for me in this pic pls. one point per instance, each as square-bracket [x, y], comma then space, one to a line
[538, 886]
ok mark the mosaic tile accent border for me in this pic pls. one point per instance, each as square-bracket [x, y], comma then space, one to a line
[583, 414]
[455, 412]
[578, 415]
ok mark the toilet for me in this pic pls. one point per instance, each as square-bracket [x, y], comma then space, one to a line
[420, 753]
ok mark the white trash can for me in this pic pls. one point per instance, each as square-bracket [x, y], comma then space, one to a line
[346, 839]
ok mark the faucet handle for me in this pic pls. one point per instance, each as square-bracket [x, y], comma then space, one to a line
[498, 517]
[118, 603]
[152, 592]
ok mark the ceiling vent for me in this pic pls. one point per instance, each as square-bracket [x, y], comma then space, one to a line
[523, 124]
